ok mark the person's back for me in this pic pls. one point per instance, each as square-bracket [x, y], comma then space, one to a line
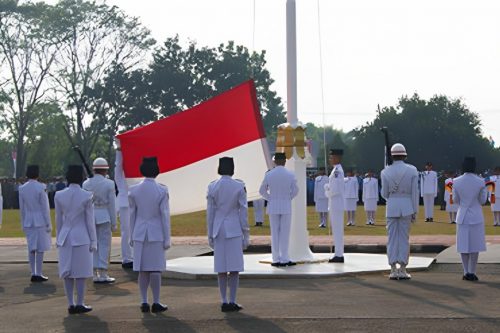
[34, 204]
[400, 189]
[470, 194]
[279, 191]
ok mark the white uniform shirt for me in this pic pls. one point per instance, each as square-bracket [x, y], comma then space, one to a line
[428, 183]
[335, 188]
[400, 189]
[227, 208]
[103, 190]
[469, 192]
[34, 205]
[75, 217]
[495, 206]
[279, 187]
[351, 188]
[121, 183]
[370, 188]
[447, 194]
[150, 212]
[319, 188]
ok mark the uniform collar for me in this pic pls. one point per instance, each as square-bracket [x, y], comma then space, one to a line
[72, 185]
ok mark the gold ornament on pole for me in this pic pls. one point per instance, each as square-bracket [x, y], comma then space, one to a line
[288, 138]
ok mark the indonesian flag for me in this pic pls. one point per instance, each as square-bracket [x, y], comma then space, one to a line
[188, 146]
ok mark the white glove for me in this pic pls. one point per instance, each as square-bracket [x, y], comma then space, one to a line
[49, 229]
[93, 246]
[211, 242]
[114, 227]
[413, 218]
[131, 243]
[246, 240]
[117, 144]
[166, 245]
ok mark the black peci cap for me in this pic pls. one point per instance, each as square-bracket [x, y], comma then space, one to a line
[74, 175]
[149, 167]
[33, 171]
[226, 166]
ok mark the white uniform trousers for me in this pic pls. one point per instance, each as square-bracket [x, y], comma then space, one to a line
[280, 236]
[258, 210]
[101, 256]
[125, 234]
[337, 225]
[429, 205]
[398, 239]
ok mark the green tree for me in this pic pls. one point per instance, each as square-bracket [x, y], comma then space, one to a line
[441, 130]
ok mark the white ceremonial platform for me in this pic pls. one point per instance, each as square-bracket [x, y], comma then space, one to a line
[203, 267]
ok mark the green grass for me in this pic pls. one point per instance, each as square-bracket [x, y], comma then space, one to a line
[194, 224]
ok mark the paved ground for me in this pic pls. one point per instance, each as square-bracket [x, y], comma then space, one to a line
[436, 300]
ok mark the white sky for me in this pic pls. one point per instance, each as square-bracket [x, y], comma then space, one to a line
[374, 51]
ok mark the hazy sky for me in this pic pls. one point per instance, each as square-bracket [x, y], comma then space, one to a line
[373, 51]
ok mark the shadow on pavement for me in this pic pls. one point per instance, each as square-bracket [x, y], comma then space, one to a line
[163, 323]
[84, 323]
[242, 322]
[41, 289]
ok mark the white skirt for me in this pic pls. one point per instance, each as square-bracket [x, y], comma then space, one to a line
[451, 208]
[228, 253]
[496, 206]
[350, 204]
[38, 239]
[75, 261]
[370, 205]
[149, 256]
[471, 238]
[321, 205]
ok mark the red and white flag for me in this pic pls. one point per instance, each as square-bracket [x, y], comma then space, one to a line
[188, 146]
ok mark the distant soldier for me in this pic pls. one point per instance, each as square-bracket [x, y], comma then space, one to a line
[279, 187]
[400, 190]
[334, 190]
[35, 220]
[123, 209]
[228, 232]
[351, 195]
[258, 211]
[76, 238]
[451, 206]
[1, 205]
[494, 201]
[370, 197]
[150, 228]
[470, 194]
[320, 199]
[428, 190]
[103, 190]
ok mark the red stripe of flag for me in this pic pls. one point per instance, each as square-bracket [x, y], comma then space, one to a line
[224, 122]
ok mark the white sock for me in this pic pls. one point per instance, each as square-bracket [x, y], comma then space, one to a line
[353, 216]
[465, 262]
[32, 261]
[473, 257]
[143, 281]
[155, 283]
[68, 288]
[234, 279]
[80, 290]
[39, 263]
[222, 279]
[451, 216]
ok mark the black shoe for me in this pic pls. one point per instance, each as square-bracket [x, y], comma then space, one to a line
[72, 309]
[431, 220]
[128, 265]
[38, 278]
[158, 307]
[145, 307]
[322, 226]
[426, 220]
[235, 306]
[258, 224]
[474, 277]
[453, 222]
[274, 264]
[82, 308]
[337, 259]
[226, 307]
[290, 263]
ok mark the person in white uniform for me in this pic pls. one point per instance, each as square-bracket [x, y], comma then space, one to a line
[258, 211]
[400, 190]
[351, 195]
[370, 197]
[320, 199]
[495, 203]
[75, 238]
[35, 219]
[279, 187]
[228, 232]
[451, 205]
[123, 209]
[334, 190]
[470, 193]
[104, 199]
[1, 206]
[428, 190]
[150, 228]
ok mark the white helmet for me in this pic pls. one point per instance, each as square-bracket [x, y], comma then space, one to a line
[100, 163]
[398, 149]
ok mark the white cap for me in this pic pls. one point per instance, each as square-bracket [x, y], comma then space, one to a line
[100, 163]
[398, 149]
